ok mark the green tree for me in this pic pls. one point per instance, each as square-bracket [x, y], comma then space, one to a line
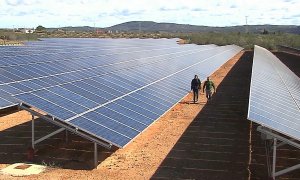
[40, 28]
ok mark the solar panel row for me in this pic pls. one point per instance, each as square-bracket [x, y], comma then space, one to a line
[42, 57]
[134, 115]
[40, 69]
[67, 45]
[37, 70]
[114, 97]
[274, 94]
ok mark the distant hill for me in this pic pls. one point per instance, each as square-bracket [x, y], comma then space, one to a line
[150, 26]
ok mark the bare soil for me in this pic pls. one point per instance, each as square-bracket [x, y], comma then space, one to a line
[182, 41]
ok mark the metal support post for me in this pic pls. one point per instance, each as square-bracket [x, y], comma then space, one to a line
[32, 132]
[278, 142]
[66, 136]
[274, 158]
[95, 155]
[278, 137]
[69, 128]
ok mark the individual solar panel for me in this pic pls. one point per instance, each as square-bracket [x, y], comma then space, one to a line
[47, 106]
[108, 135]
[112, 92]
[117, 116]
[5, 103]
[7, 100]
[274, 94]
[73, 96]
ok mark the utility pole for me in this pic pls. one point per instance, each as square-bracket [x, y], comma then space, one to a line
[246, 27]
[140, 28]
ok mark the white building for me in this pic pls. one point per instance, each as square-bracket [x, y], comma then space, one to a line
[26, 30]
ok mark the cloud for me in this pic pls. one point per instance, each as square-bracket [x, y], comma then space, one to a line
[274, 9]
[296, 16]
[22, 13]
[126, 12]
[87, 19]
[21, 2]
[295, 21]
[54, 13]
[233, 6]
[102, 15]
[14, 2]
[172, 9]
[221, 14]
[287, 18]
[199, 9]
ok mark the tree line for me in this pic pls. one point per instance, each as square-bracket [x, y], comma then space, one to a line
[245, 40]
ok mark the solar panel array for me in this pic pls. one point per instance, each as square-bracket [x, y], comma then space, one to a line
[112, 89]
[274, 94]
[31, 62]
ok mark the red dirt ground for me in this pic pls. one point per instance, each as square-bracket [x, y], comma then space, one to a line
[192, 141]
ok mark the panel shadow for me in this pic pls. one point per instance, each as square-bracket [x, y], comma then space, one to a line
[76, 154]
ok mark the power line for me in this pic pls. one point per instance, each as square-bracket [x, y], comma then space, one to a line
[246, 26]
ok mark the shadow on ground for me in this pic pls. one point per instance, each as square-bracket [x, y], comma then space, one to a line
[292, 61]
[9, 110]
[77, 153]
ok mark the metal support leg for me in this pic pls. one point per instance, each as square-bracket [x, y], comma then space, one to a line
[69, 128]
[32, 132]
[66, 136]
[49, 135]
[287, 170]
[269, 134]
[95, 155]
[274, 158]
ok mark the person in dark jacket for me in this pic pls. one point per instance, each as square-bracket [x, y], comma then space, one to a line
[208, 86]
[196, 86]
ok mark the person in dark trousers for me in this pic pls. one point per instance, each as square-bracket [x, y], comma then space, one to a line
[208, 86]
[196, 86]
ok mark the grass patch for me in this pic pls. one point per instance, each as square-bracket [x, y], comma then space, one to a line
[9, 37]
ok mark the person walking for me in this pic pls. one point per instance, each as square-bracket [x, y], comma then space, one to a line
[208, 86]
[196, 86]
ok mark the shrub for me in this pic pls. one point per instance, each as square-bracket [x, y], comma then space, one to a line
[245, 40]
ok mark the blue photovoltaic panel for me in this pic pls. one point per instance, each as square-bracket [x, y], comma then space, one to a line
[274, 94]
[112, 89]
[55, 61]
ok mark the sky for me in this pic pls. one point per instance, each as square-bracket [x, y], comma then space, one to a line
[105, 13]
